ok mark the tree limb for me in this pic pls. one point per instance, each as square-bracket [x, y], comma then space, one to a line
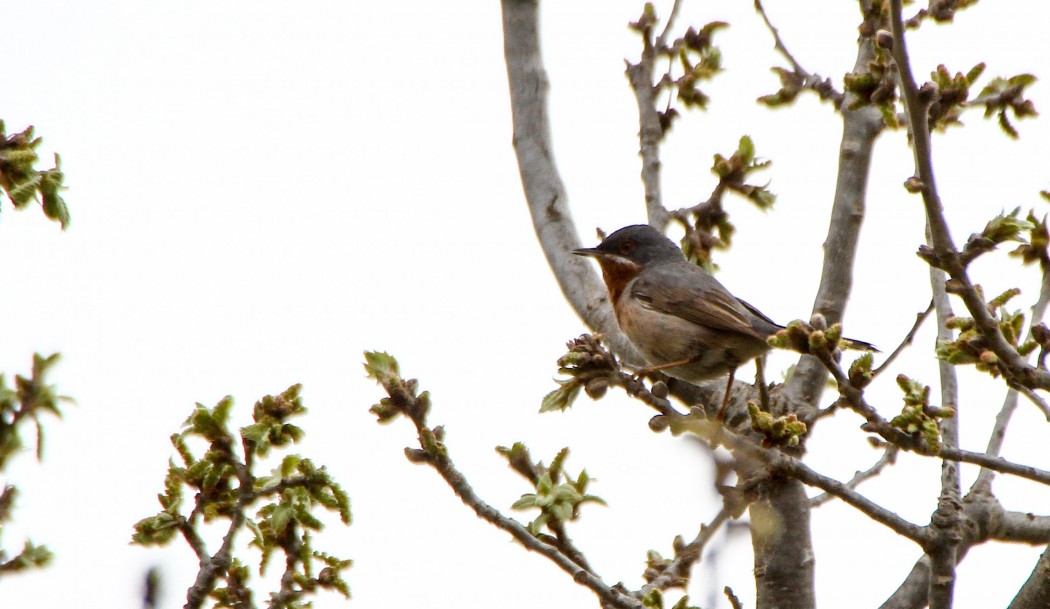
[944, 254]
[544, 191]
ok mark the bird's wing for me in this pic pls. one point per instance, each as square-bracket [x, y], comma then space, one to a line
[688, 292]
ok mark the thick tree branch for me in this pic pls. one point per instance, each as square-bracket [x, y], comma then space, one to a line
[544, 191]
[860, 128]
[1035, 593]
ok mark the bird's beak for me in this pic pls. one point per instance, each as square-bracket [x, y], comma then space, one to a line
[591, 252]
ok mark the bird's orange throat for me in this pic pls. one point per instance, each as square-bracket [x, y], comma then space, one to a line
[618, 272]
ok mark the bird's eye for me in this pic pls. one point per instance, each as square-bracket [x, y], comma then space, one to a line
[627, 247]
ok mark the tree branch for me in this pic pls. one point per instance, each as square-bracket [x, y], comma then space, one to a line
[946, 521]
[860, 128]
[908, 338]
[544, 191]
[688, 556]
[1002, 420]
[889, 457]
[944, 254]
[799, 470]
[823, 88]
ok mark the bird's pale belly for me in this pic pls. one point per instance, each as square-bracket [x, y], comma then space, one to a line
[664, 338]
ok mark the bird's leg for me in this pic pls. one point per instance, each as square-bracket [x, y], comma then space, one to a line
[725, 400]
[760, 382]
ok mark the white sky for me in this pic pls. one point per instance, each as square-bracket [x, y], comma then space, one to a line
[261, 190]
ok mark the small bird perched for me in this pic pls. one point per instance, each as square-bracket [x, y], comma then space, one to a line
[679, 317]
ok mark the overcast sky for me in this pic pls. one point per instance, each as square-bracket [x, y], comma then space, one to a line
[262, 190]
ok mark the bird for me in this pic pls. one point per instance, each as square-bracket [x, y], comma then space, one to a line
[682, 320]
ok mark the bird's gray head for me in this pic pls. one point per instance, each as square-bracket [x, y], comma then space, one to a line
[639, 243]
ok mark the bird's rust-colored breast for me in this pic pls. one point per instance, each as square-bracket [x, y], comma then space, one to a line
[617, 273]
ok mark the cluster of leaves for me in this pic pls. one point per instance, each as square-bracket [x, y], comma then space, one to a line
[952, 93]
[710, 227]
[23, 182]
[943, 11]
[971, 347]
[804, 338]
[558, 496]
[1035, 249]
[860, 371]
[695, 55]
[947, 95]
[29, 398]
[654, 599]
[589, 366]
[1007, 94]
[876, 85]
[792, 83]
[784, 430]
[732, 172]
[918, 417]
[31, 555]
[404, 398]
[1001, 229]
[19, 405]
[1000, 97]
[225, 486]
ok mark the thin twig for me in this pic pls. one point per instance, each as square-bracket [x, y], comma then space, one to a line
[778, 44]
[823, 88]
[688, 555]
[1039, 402]
[733, 600]
[908, 338]
[661, 40]
[889, 457]
[435, 454]
[997, 464]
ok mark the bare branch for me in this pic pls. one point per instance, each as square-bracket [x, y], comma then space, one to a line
[908, 338]
[650, 132]
[544, 190]
[889, 457]
[1033, 397]
[821, 87]
[688, 555]
[1021, 527]
[661, 40]
[860, 128]
[869, 508]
